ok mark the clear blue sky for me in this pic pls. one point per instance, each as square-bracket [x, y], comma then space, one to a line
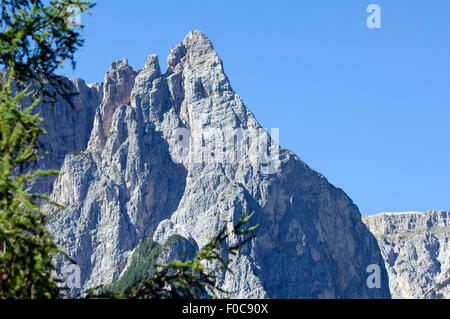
[369, 109]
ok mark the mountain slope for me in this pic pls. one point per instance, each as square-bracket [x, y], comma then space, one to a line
[416, 250]
[179, 154]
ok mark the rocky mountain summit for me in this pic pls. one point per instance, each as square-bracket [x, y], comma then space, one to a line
[179, 155]
[416, 250]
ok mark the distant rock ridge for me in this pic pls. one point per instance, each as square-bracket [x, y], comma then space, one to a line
[179, 154]
[416, 250]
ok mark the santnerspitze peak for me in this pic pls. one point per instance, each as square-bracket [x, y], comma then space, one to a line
[179, 153]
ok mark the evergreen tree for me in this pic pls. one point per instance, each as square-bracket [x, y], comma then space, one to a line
[37, 37]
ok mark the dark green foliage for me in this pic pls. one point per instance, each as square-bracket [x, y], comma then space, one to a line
[144, 262]
[185, 278]
[26, 247]
[34, 40]
[141, 268]
[174, 239]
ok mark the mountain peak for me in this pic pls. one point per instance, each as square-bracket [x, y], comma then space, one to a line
[196, 39]
[196, 45]
[152, 62]
[119, 81]
[121, 64]
[142, 181]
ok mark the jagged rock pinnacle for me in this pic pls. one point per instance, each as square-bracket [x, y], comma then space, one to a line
[119, 81]
[197, 41]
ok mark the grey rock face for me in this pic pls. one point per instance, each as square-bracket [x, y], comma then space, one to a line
[182, 155]
[68, 128]
[119, 81]
[416, 250]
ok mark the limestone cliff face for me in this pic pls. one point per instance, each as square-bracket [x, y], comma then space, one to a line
[119, 81]
[68, 127]
[180, 154]
[416, 250]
